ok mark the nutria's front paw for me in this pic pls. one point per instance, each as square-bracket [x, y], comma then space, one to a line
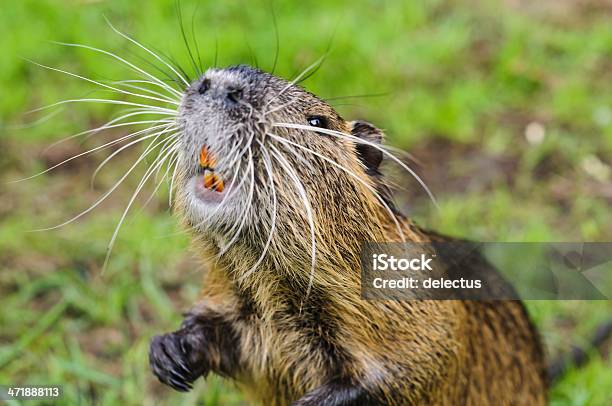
[177, 360]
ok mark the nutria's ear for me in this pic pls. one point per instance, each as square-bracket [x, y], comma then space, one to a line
[370, 156]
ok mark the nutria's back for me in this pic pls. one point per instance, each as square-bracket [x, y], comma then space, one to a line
[281, 193]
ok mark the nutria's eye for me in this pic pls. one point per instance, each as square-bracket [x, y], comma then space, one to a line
[317, 121]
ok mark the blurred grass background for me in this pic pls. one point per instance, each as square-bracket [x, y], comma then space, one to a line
[507, 106]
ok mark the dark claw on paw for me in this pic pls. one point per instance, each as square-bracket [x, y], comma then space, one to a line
[170, 363]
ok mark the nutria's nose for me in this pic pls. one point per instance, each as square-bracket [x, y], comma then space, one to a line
[230, 93]
[204, 86]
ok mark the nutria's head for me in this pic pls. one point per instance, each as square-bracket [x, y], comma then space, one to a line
[265, 165]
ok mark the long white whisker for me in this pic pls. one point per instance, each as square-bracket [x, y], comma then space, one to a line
[240, 155]
[168, 122]
[170, 150]
[237, 160]
[268, 165]
[108, 101]
[131, 65]
[148, 150]
[163, 131]
[293, 82]
[362, 141]
[170, 142]
[149, 51]
[280, 107]
[247, 207]
[128, 83]
[90, 151]
[170, 96]
[300, 187]
[104, 85]
[171, 188]
[109, 124]
[143, 181]
[332, 162]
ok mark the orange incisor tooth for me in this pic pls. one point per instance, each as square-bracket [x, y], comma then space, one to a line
[207, 159]
[219, 185]
[204, 156]
[213, 182]
[208, 179]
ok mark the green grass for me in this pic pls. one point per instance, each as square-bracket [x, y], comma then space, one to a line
[454, 83]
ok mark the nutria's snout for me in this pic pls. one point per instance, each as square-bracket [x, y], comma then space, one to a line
[233, 90]
[230, 93]
[221, 121]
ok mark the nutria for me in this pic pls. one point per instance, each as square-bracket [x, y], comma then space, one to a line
[278, 208]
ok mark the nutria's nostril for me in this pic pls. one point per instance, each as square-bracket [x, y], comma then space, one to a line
[204, 86]
[234, 95]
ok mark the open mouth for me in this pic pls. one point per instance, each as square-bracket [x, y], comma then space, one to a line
[209, 186]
